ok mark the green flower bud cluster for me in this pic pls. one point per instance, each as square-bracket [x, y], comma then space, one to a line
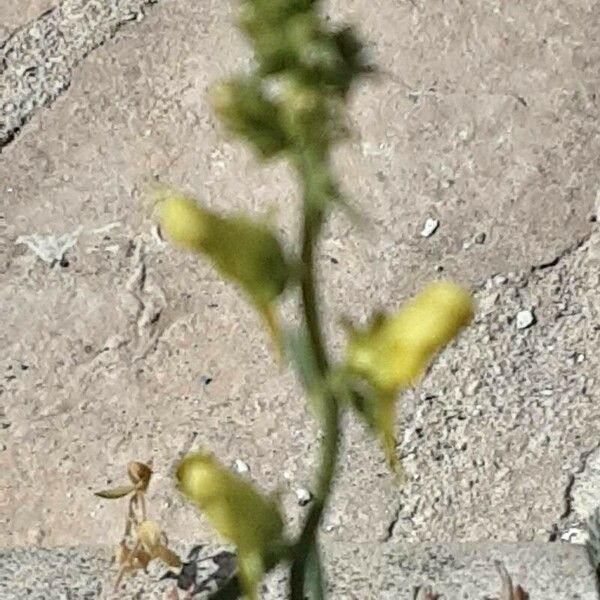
[294, 99]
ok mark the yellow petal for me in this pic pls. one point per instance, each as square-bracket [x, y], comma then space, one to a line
[397, 349]
[183, 222]
[235, 508]
[243, 250]
[252, 569]
[385, 419]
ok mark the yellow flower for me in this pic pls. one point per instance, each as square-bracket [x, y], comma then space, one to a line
[184, 223]
[242, 250]
[394, 352]
[236, 510]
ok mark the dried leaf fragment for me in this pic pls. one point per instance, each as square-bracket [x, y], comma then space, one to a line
[117, 492]
[140, 474]
[153, 541]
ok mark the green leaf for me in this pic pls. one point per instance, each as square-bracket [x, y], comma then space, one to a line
[118, 492]
[245, 110]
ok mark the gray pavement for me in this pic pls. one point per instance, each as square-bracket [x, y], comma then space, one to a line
[355, 571]
[38, 58]
[486, 119]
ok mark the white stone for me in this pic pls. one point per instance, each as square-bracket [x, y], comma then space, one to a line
[50, 248]
[486, 306]
[303, 496]
[430, 227]
[575, 535]
[241, 467]
[472, 387]
[525, 319]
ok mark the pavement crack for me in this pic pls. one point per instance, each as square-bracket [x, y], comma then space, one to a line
[568, 497]
[565, 253]
[389, 533]
[49, 49]
[151, 302]
[568, 508]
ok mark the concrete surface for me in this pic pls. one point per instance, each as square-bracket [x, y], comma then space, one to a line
[486, 118]
[37, 61]
[16, 13]
[361, 571]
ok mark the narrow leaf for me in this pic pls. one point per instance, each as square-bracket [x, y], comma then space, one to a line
[118, 492]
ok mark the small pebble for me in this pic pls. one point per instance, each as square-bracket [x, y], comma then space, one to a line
[580, 358]
[575, 535]
[2, 446]
[480, 238]
[500, 280]
[35, 536]
[525, 319]
[430, 227]
[466, 245]
[241, 467]
[472, 387]
[487, 304]
[205, 380]
[303, 496]
[157, 234]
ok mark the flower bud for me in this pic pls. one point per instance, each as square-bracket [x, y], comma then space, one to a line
[242, 250]
[245, 110]
[237, 510]
[393, 353]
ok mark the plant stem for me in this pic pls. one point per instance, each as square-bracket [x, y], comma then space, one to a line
[313, 178]
[311, 227]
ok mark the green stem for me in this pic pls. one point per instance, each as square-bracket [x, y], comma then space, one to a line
[312, 319]
[313, 217]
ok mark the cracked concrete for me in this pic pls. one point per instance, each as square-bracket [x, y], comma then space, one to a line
[361, 571]
[37, 60]
[485, 119]
[17, 13]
